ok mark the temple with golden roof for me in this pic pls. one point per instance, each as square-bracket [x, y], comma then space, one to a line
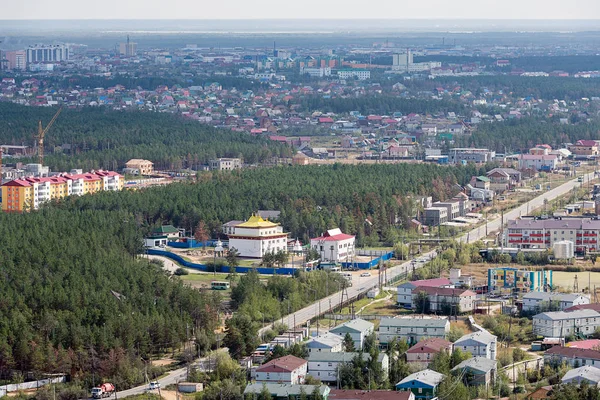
[257, 236]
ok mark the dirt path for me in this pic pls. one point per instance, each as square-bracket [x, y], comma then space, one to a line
[389, 296]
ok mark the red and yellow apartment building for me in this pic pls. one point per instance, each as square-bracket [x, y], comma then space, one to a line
[27, 194]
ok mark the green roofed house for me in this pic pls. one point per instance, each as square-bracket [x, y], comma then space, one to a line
[166, 230]
[286, 391]
[423, 384]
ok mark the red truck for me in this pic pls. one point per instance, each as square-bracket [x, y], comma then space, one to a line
[104, 390]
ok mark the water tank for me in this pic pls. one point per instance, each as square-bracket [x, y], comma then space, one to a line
[564, 250]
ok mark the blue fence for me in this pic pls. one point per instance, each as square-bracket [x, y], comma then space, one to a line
[191, 243]
[260, 270]
[368, 265]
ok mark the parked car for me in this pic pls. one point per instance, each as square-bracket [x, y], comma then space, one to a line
[365, 274]
[154, 385]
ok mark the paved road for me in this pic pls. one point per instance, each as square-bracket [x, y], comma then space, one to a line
[535, 203]
[360, 285]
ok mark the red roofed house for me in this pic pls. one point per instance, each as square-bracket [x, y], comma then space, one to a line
[325, 120]
[423, 352]
[334, 246]
[584, 148]
[288, 369]
[439, 297]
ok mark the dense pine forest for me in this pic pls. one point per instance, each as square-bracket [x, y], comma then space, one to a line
[311, 198]
[76, 301]
[522, 134]
[102, 138]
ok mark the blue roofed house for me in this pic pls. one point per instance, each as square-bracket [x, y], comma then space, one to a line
[422, 384]
[358, 329]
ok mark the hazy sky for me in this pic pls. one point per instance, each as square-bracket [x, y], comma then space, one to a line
[322, 9]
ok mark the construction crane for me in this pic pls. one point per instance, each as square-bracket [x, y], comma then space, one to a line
[42, 133]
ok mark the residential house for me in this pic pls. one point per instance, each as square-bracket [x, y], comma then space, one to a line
[447, 300]
[324, 366]
[538, 162]
[480, 370]
[562, 324]
[452, 206]
[572, 356]
[548, 301]
[327, 342]
[481, 182]
[412, 329]
[358, 329]
[225, 164]
[139, 167]
[300, 159]
[354, 394]
[167, 230]
[584, 148]
[285, 391]
[287, 369]
[470, 155]
[479, 344]
[334, 246]
[422, 384]
[502, 179]
[590, 375]
[423, 352]
[405, 289]
[228, 228]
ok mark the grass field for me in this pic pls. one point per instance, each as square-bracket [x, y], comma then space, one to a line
[566, 280]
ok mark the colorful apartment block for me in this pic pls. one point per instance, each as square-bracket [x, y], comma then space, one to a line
[506, 279]
[25, 194]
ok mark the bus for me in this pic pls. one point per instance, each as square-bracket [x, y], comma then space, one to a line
[219, 285]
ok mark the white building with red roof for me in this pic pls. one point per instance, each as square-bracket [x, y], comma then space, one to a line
[334, 246]
[287, 369]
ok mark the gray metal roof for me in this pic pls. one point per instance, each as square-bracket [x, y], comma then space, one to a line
[481, 364]
[428, 377]
[589, 373]
[325, 340]
[563, 315]
[340, 356]
[356, 325]
[547, 296]
[414, 322]
[483, 337]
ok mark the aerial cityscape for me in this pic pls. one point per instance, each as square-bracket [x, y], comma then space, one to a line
[308, 201]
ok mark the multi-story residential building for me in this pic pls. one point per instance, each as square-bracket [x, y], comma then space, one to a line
[17, 60]
[405, 290]
[561, 324]
[225, 164]
[453, 208]
[423, 352]
[412, 329]
[26, 194]
[257, 237]
[324, 366]
[470, 155]
[334, 246]
[457, 300]
[360, 74]
[285, 391]
[546, 301]
[507, 279]
[47, 53]
[479, 370]
[480, 343]
[287, 369]
[315, 72]
[588, 374]
[358, 329]
[534, 233]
